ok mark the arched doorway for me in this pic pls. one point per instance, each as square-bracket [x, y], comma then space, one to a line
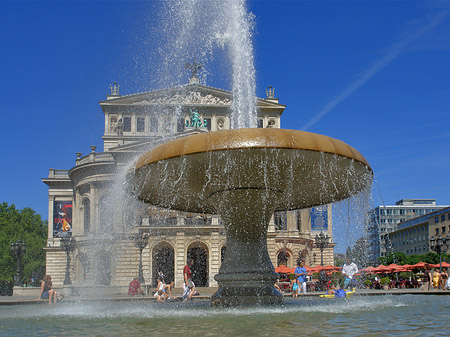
[163, 261]
[199, 252]
[283, 258]
[104, 269]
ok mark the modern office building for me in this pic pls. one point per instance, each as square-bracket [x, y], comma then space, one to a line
[385, 219]
[413, 236]
[111, 233]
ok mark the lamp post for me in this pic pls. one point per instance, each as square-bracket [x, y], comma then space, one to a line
[321, 242]
[438, 245]
[141, 241]
[67, 244]
[314, 258]
[18, 248]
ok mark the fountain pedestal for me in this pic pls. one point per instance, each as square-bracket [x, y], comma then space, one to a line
[246, 275]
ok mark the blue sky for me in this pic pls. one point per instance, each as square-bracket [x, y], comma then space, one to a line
[375, 74]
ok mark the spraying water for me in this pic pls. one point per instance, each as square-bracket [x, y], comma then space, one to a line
[218, 35]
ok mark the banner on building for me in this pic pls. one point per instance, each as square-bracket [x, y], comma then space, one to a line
[319, 218]
[62, 219]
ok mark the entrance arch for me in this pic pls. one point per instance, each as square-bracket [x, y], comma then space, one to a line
[284, 257]
[163, 258]
[198, 251]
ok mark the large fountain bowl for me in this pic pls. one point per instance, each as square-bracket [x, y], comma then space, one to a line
[307, 169]
[244, 175]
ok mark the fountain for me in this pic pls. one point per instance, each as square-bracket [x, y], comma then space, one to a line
[244, 175]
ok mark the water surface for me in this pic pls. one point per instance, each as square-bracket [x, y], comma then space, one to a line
[405, 315]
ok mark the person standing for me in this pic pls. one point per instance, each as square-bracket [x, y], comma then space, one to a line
[436, 280]
[444, 277]
[349, 270]
[300, 275]
[188, 284]
[426, 279]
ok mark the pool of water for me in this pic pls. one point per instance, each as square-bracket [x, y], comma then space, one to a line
[405, 315]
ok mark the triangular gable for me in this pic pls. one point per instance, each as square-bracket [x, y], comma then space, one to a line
[190, 94]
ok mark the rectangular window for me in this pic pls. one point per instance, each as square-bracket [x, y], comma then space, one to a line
[299, 220]
[280, 219]
[127, 124]
[180, 125]
[443, 230]
[437, 231]
[153, 124]
[140, 124]
[443, 217]
[208, 123]
[436, 219]
[260, 123]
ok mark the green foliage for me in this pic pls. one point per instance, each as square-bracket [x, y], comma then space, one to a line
[28, 226]
[367, 282]
[385, 280]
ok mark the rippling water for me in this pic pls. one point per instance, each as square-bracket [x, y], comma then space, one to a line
[405, 315]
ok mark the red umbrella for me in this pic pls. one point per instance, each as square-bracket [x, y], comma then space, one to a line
[444, 265]
[368, 270]
[419, 265]
[284, 270]
[381, 269]
[396, 268]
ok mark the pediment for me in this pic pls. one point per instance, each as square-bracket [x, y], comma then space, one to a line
[191, 94]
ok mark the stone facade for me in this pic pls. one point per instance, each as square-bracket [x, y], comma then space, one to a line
[105, 223]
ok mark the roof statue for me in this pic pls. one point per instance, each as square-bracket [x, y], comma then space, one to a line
[193, 67]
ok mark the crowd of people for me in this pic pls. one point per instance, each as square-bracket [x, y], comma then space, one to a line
[430, 279]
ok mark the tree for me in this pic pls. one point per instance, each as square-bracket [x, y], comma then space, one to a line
[28, 226]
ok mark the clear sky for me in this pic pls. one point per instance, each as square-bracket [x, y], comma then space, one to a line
[375, 74]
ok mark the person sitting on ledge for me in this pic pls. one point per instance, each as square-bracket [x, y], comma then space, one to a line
[134, 288]
[47, 291]
[332, 290]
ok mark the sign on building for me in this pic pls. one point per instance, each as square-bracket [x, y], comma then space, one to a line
[319, 218]
[62, 219]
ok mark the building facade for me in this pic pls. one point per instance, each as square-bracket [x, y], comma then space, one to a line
[107, 227]
[385, 219]
[413, 236]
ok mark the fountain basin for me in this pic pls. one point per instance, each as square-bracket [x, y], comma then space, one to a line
[244, 175]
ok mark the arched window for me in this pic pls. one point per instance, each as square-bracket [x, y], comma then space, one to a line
[87, 215]
[105, 211]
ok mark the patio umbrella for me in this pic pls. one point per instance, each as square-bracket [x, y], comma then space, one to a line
[382, 269]
[444, 265]
[368, 270]
[396, 268]
[282, 269]
[419, 265]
